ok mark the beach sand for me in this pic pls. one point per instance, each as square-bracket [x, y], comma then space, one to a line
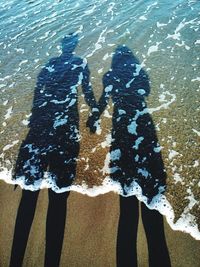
[90, 233]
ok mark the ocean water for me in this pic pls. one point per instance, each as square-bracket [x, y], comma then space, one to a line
[162, 39]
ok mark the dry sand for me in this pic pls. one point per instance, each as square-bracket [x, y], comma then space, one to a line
[90, 234]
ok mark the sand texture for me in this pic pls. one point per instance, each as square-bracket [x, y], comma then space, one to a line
[90, 233]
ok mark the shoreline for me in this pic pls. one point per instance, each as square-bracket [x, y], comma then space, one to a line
[185, 223]
[90, 233]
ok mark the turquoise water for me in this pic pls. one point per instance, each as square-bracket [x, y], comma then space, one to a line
[163, 35]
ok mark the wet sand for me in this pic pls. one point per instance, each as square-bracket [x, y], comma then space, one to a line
[90, 233]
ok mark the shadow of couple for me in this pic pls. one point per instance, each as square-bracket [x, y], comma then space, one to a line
[53, 142]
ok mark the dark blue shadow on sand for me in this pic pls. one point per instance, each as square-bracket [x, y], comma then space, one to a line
[135, 156]
[52, 145]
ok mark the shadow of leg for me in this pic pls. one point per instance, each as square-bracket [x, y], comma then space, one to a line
[127, 232]
[154, 229]
[55, 226]
[23, 224]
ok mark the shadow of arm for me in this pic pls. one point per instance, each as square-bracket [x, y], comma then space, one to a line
[87, 89]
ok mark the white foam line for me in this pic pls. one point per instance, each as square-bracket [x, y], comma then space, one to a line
[185, 223]
[5, 78]
[196, 79]
[98, 44]
[132, 127]
[10, 145]
[5, 102]
[172, 154]
[90, 11]
[110, 9]
[164, 105]
[197, 132]
[8, 114]
[23, 62]
[153, 48]
[158, 24]
[148, 10]
[176, 35]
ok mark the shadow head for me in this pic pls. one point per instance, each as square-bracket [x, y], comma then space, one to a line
[123, 56]
[69, 43]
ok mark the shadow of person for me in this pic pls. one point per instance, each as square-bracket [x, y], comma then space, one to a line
[135, 157]
[127, 234]
[55, 225]
[51, 147]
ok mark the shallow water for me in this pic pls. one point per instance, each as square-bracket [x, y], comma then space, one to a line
[163, 36]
